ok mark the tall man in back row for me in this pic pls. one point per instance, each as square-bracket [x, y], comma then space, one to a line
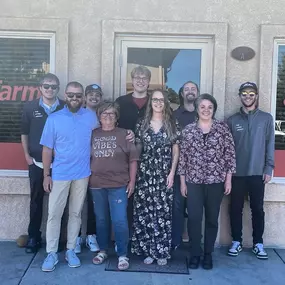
[253, 133]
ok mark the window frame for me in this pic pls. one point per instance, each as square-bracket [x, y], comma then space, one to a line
[29, 35]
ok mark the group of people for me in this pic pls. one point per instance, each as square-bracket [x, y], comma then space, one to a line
[147, 164]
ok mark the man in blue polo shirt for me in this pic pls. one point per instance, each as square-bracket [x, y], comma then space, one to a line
[67, 136]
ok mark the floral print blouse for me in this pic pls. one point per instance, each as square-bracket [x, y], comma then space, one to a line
[207, 158]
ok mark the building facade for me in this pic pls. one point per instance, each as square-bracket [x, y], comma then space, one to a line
[91, 41]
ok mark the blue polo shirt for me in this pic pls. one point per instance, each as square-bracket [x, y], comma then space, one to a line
[69, 135]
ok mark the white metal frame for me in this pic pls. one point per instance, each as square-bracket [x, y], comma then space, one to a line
[28, 35]
[123, 42]
[277, 43]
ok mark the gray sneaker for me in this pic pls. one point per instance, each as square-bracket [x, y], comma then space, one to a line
[50, 262]
[72, 259]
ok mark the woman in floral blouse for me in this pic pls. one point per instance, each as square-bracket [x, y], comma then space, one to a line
[157, 137]
[207, 161]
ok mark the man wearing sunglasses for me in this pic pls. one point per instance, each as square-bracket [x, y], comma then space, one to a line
[67, 135]
[253, 133]
[35, 114]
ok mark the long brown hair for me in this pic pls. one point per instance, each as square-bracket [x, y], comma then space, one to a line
[167, 119]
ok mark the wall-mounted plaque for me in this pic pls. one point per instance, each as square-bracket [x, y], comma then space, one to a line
[243, 53]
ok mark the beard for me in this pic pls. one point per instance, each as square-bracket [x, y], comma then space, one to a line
[250, 104]
[72, 108]
[190, 99]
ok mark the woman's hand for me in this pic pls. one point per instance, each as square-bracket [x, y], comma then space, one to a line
[47, 184]
[130, 188]
[170, 180]
[228, 186]
[183, 189]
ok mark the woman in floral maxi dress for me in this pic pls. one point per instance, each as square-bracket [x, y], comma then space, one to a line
[157, 137]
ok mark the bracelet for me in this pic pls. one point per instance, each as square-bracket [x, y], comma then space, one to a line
[47, 175]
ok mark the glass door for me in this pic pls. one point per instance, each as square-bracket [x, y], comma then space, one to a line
[172, 61]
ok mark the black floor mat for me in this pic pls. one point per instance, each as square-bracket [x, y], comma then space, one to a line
[176, 265]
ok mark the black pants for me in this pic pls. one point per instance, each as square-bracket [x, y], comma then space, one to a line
[254, 187]
[36, 202]
[178, 213]
[91, 221]
[209, 198]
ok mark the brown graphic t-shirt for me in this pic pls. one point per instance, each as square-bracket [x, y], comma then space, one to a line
[111, 154]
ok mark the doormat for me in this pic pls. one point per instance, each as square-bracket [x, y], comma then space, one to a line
[175, 265]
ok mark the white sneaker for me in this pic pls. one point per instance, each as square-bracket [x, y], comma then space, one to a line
[78, 245]
[235, 248]
[259, 251]
[91, 243]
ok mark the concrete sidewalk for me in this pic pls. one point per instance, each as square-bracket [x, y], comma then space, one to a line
[19, 268]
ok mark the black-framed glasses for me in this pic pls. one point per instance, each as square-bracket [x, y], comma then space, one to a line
[143, 79]
[156, 100]
[251, 94]
[108, 114]
[52, 86]
[71, 95]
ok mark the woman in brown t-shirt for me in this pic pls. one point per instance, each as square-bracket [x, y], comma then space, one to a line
[112, 181]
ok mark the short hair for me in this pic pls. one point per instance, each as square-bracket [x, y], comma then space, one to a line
[74, 84]
[206, 96]
[49, 77]
[107, 104]
[141, 70]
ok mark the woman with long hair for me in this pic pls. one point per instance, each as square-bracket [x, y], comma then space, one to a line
[207, 161]
[157, 138]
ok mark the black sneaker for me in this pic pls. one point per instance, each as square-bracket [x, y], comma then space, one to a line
[235, 248]
[33, 245]
[207, 262]
[194, 262]
[259, 251]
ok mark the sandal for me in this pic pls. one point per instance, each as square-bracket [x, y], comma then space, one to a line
[148, 260]
[99, 258]
[162, 261]
[123, 263]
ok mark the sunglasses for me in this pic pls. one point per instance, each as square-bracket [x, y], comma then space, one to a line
[251, 94]
[47, 86]
[156, 100]
[71, 95]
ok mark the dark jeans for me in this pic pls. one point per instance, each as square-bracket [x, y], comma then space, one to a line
[209, 198]
[178, 211]
[115, 199]
[91, 221]
[254, 186]
[36, 202]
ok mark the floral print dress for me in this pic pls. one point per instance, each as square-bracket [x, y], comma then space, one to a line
[152, 200]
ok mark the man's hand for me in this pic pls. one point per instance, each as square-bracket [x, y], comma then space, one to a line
[183, 189]
[29, 159]
[266, 178]
[130, 136]
[130, 188]
[47, 184]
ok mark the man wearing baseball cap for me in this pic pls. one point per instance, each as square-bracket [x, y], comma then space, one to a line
[93, 96]
[253, 133]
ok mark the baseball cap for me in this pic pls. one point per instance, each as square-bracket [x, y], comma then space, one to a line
[93, 88]
[248, 85]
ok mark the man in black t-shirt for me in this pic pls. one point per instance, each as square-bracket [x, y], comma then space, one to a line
[34, 116]
[185, 115]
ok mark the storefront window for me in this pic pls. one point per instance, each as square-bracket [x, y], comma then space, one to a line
[280, 114]
[23, 61]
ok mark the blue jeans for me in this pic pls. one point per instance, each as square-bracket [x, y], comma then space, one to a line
[178, 211]
[116, 200]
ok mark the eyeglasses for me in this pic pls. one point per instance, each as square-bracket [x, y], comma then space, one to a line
[251, 94]
[143, 79]
[111, 115]
[47, 86]
[77, 95]
[156, 100]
